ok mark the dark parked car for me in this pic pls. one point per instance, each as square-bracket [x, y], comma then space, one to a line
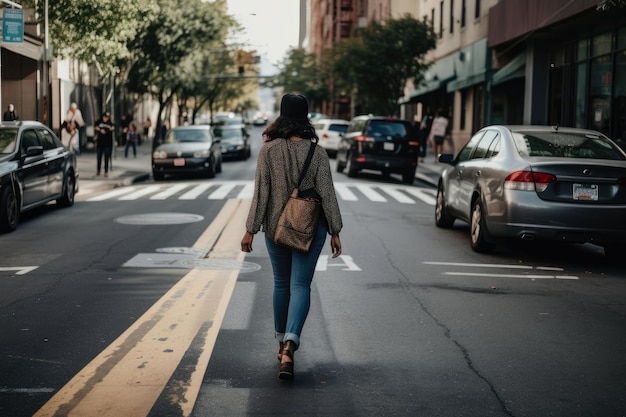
[234, 140]
[377, 143]
[187, 150]
[537, 182]
[35, 168]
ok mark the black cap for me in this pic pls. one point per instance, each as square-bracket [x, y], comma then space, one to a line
[294, 107]
[107, 114]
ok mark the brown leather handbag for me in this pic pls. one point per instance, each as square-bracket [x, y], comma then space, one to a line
[300, 217]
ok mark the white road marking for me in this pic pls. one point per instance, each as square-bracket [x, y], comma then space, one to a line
[344, 192]
[21, 270]
[398, 195]
[221, 192]
[169, 192]
[370, 193]
[247, 191]
[195, 192]
[522, 276]
[504, 266]
[422, 195]
[112, 194]
[346, 264]
[141, 192]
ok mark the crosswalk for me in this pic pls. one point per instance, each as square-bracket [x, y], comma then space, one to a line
[220, 190]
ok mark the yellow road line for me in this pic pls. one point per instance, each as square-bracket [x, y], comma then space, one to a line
[127, 378]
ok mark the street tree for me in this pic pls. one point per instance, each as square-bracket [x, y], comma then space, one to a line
[374, 64]
[166, 54]
[301, 72]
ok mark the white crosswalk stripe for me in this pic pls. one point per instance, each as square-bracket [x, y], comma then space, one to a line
[220, 190]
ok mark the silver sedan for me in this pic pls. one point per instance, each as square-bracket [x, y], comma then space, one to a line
[537, 182]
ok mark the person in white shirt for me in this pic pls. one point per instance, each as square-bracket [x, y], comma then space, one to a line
[70, 135]
[438, 133]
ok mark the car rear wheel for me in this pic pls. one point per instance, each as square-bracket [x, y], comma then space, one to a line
[409, 176]
[158, 176]
[211, 170]
[480, 239]
[340, 165]
[67, 199]
[9, 210]
[442, 217]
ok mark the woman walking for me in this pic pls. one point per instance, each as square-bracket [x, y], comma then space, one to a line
[280, 161]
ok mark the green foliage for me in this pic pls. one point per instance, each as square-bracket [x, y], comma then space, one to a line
[300, 72]
[610, 4]
[94, 31]
[375, 63]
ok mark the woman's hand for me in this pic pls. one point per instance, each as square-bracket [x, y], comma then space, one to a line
[246, 242]
[335, 245]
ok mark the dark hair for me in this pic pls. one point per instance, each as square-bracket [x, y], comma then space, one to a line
[282, 127]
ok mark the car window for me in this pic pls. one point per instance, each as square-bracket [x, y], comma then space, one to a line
[228, 133]
[29, 138]
[484, 144]
[7, 141]
[378, 128]
[191, 135]
[47, 140]
[338, 128]
[494, 148]
[356, 126]
[466, 151]
[565, 145]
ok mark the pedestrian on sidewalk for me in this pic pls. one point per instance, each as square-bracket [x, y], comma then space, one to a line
[438, 133]
[425, 127]
[147, 124]
[104, 142]
[131, 140]
[287, 141]
[70, 132]
[10, 115]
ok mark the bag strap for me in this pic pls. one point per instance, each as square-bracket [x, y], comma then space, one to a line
[307, 162]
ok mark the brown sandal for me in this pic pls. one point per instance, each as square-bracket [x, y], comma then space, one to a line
[286, 364]
[281, 346]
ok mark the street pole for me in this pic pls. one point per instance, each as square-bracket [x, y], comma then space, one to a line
[15, 6]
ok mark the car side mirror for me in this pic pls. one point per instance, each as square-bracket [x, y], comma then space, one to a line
[34, 150]
[446, 158]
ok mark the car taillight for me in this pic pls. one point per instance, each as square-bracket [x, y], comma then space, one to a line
[414, 143]
[363, 138]
[528, 181]
[325, 136]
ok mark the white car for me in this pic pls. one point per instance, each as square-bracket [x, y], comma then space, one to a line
[330, 131]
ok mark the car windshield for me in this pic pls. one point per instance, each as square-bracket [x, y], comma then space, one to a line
[187, 135]
[565, 145]
[383, 128]
[7, 140]
[228, 133]
[338, 128]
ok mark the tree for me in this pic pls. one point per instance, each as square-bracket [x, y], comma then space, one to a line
[167, 53]
[94, 31]
[300, 72]
[374, 65]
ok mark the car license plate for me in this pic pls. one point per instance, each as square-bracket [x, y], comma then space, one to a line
[586, 192]
[179, 162]
[388, 146]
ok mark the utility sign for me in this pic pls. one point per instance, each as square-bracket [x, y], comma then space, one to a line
[12, 25]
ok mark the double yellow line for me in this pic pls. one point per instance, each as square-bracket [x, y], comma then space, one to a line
[129, 376]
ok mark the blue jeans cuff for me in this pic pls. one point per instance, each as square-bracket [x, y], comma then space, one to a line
[293, 337]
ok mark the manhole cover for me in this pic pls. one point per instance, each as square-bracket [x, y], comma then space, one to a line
[160, 219]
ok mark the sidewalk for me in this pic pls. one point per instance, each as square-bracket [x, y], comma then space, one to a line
[122, 171]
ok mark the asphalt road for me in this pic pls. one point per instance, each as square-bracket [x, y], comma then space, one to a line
[136, 302]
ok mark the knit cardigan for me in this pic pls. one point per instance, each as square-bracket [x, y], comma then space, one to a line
[277, 172]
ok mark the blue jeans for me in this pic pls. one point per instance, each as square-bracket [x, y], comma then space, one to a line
[106, 152]
[130, 143]
[293, 273]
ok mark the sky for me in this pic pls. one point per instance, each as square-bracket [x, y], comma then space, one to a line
[270, 28]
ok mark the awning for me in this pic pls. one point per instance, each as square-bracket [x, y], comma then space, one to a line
[516, 68]
[466, 82]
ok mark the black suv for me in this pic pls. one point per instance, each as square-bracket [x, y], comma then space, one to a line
[379, 143]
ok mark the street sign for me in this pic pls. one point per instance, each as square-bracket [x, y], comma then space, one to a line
[12, 25]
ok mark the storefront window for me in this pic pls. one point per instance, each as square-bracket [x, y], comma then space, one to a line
[601, 44]
[619, 100]
[582, 50]
[601, 82]
[621, 38]
[581, 99]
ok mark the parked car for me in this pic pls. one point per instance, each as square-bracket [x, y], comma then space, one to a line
[378, 143]
[234, 140]
[226, 118]
[330, 131]
[187, 150]
[35, 168]
[536, 182]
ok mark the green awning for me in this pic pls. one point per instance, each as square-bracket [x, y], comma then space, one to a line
[466, 82]
[516, 68]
